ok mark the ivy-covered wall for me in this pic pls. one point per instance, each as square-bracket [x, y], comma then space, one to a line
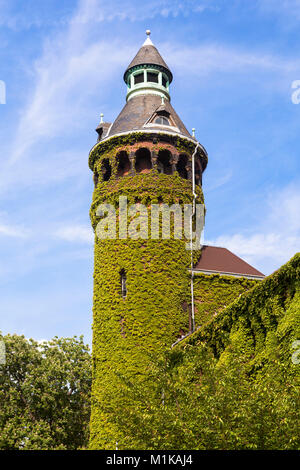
[128, 331]
[259, 326]
[237, 316]
[215, 292]
[113, 145]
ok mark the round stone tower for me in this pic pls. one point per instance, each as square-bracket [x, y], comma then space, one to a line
[142, 163]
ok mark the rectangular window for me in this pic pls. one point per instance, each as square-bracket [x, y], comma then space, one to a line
[139, 78]
[152, 77]
[123, 283]
[164, 81]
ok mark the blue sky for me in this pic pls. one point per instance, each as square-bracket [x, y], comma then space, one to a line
[63, 61]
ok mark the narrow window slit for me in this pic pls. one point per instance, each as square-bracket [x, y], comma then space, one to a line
[123, 283]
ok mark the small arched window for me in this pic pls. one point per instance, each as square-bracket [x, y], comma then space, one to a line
[181, 166]
[164, 162]
[162, 120]
[123, 283]
[106, 169]
[143, 162]
[124, 164]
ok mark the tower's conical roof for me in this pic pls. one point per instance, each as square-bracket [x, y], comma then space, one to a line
[148, 55]
[137, 113]
[148, 107]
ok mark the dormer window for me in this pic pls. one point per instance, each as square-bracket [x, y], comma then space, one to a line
[162, 120]
[161, 117]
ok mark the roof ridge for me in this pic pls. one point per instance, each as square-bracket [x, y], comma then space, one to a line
[229, 262]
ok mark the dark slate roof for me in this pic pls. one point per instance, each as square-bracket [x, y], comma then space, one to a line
[148, 55]
[223, 261]
[102, 129]
[139, 109]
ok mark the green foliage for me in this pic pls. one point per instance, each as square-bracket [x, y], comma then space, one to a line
[263, 319]
[188, 401]
[199, 404]
[155, 312]
[230, 385]
[44, 394]
[125, 142]
[214, 292]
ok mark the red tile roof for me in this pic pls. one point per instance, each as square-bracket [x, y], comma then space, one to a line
[223, 261]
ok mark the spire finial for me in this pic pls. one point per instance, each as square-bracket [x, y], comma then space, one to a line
[101, 117]
[193, 131]
[148, 41]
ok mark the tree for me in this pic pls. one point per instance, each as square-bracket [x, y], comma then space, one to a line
[188, 401]
[185, 400]
[45, 393]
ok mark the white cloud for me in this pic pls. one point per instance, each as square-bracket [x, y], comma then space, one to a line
[33, 171]
[36, 15]
[208, 58]
[58, 103]
[98, 11]
[75, 234]
[65, 76]
[276, 239]
[13, 231]
[73, 67]
[261, 249]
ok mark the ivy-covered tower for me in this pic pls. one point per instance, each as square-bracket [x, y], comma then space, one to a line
[141, 283]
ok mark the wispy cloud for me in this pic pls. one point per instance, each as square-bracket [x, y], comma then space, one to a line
[98, 11]
[218, 180]
[58, 102]
[75, 233]
[13, 231]
[284, 8]
[222, 58]
[18, 16]
[276, 239]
